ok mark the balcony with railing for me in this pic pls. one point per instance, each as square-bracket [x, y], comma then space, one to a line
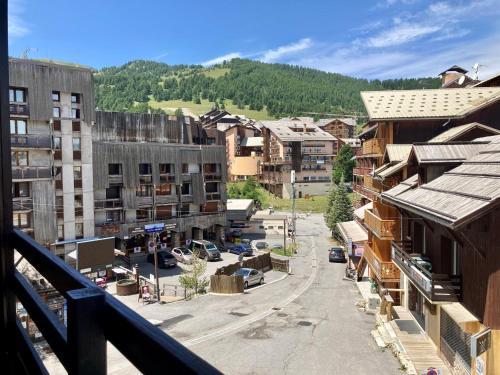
[374, 146]
[30, 141]
[385, 229]
[19, 109]
[361, 171]
[212, 196]
[30, 172]
[385, 270]
[360, 189]
[436, 287]
[115, 179]
[22, 204]
[167, 178]
[114, 203]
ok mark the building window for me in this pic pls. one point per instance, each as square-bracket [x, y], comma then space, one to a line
[186, 188]
[57, 126]
[56, 112]
[20, 189]
[56, 96]
[56, 143]
[163, 212]
[113, 192]
[144, 191]
[166, 168]
[18, 127]
[185, 168]
[75, 113]
[57, 172]
[21, 220]
[76, 144]
[77, 173]
[143, 215]
[114, 169]
[75, 98]
[19, 158]
[79, 230]
[17, 95]
[113, 216]
[144, 168]
[211, 187]
[78, 205]
[185, 210]
[164, 189]
[76, 126]
[60, 232]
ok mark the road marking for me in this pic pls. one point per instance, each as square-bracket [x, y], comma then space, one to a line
[238, 325]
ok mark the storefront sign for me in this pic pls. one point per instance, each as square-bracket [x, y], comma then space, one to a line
[154, 228]
[170, 226]
[137, 230]
[480, 342]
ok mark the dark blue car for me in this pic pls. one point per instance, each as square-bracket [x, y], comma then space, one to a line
[242, 249]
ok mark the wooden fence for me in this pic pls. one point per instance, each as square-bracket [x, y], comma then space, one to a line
[281, 265]
[262, 262]
[226, 284]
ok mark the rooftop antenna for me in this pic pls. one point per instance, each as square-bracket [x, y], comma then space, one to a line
[27, 51]
[476, 67]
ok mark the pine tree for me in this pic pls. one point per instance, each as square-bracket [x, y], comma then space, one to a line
[339, 208]
[343, 165]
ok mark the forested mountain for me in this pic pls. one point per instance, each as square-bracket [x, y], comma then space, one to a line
[280, 89]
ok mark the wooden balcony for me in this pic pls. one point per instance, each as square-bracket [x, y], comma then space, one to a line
[374, 146]
[436, 287]
[361, 171]
[370, 183]
[360, 189]
[385, 229]
[31, 141]
[385, 270]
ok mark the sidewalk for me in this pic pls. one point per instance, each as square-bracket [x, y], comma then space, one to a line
[404, 337]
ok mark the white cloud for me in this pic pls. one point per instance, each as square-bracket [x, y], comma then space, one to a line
[401, 34]
[220, 59]
[289, 49]
[17, 27]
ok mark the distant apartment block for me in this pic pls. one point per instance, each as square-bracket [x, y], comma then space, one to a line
[157, 169]
[51, 112]
[292, 144]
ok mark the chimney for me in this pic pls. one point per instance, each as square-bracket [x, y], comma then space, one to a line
[451, 74]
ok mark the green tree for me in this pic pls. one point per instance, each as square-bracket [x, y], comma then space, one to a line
[249, 190]
[344, 164]
[192, 277]
[339, 208]
[179, 113]
[233, 191]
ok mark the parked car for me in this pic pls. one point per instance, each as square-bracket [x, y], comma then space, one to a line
[337, 254]
[276, 246]
[182, 254]
[238, 225]
[259, 245]
[165, 259]
[250, 276]
[242, 249]
[205, 250]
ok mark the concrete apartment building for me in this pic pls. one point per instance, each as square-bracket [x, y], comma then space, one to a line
[301, 146]
[156, 169]
[51, 112]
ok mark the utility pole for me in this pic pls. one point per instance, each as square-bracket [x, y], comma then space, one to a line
[292, 177]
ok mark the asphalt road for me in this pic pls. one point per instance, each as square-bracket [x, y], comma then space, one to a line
[306, 323]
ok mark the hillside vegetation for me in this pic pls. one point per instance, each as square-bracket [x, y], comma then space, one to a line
[271, 89]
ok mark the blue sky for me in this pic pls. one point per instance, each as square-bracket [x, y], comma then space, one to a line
[371, 39]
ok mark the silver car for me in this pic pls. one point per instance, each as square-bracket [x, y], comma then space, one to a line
[182, 255]
[250, 276]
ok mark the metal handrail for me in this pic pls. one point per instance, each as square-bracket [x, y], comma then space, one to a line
[144, 345]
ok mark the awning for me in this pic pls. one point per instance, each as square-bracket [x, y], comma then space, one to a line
[390, 170]
[360, 212]
[352, 230]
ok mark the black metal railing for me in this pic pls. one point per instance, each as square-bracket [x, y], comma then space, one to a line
[94, 317]
[437, 287]
[108, 203]
[30, 172]
[19, 109]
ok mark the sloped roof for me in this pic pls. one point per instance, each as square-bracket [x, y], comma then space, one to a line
[389, 169]
[431, 104]
[446, 152]
[403, 186]
[360, 212]
[283, 129]
[454, 68]
[456, 132]
[486, 82]
[352, 230]
[397, 152]
[460, 195]
[253, 142]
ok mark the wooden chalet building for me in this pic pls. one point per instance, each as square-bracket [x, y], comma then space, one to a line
[448, 251]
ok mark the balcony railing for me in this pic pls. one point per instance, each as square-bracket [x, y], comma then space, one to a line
[108, 203]
[212, 196]
[360, 189]
[437, 287]
[167, 177]
[94, 317]
[370, 183]
[31, 141]
[19, 109]
[385, 270]
[22, 204]
[384, 229]
[374, 146]
[27, 173]
[361, 171]
[213, 176]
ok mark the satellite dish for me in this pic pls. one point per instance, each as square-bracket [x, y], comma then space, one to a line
[461, 80]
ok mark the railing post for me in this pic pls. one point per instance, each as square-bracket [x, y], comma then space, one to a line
[86, 340]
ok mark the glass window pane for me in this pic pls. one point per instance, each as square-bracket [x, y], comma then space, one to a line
[13, 157]
[21, 127]
[24, 189]
[76, 144]
[56, 112]
[57, 143]
[12, 97]
[12, 126]
[77, 173]
[23, 220]
[23, 158]
[55, 96]
[20, 95]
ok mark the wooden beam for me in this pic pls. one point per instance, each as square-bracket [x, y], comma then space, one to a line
[428, 225]
[471, 244]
